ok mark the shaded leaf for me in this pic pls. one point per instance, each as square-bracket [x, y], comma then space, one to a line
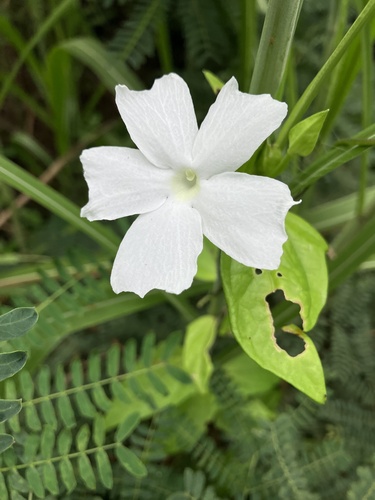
[17, 322]
[11, 363]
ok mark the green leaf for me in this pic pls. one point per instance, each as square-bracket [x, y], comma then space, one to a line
[86, 472]
[130, 462]
[3, 487]
[17, 322]
[207, 262]
[302, 276]
[9, 408]
[304, 136]
[35, 482]
[199, 338]
[11, 363]
[6, 440]
[104, 64]
[99, 430]
[50, 478]
[67, 474]
[104, 469]
[214, 82]
[127, 426]
[82, 438]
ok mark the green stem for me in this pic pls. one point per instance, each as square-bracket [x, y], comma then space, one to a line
[277, 35]
[311, 91]
[164, 47]
[367, 100]
[248, 37]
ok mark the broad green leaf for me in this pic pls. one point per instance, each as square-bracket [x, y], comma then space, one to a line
[47, 442]
[130, 461]
[199, 337]
[11, 363]
[250, 379]
[304, 136]
[214, 82]
[9, 408]
[302, 276]
[6, 440]
[17, 322]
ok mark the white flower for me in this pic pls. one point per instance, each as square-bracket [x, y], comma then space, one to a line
[183, 183]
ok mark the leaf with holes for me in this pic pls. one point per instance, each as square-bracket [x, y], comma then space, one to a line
[303, 278]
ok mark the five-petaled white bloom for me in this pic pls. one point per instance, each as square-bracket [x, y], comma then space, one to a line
[182, 181]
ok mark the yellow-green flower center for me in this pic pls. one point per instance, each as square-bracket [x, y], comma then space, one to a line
[185, 184]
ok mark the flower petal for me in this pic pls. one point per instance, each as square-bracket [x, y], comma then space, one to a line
[161, 121]
[235, 126]
[244, 216]
[160, 250]
[122, 182]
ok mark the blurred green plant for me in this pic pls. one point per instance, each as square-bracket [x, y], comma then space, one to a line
[227, 428]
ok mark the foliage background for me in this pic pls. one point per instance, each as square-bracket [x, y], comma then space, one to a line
[109, 389]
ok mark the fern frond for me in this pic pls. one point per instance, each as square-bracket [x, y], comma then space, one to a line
[134, 40]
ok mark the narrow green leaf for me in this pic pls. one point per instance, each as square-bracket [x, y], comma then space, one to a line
[178, 374]
[104, 469]
[127, 426]
[67, 474]
[107, 68]
[304, 136]
[17, 322]
[6, 440]
[86, 472]
[82, 438]
[94, 368]
[50, 478]
[31, 447]
[11, 363]
[196, 359]
[113, 360]
[47, 411]
[99, 430]
[359, 247]
[47, 442]
[17, 482]
[130, 462]
[3, 487]
[64, 442]
[157, 383]
[35, 482]
[9, 408]
[32, 418]
[214, 82]
[101, 399]
[130, 353]
[147, 348]
[302, 276]
[84, 404]
[66, 412]
[19, 179]
[313, 88]
[49, 22]
[119, 392]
